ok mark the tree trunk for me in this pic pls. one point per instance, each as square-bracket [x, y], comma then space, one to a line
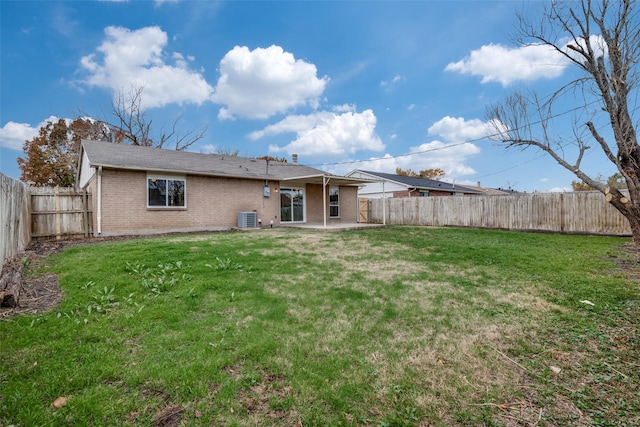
[635, 230]
[627, 207]
[10, 285]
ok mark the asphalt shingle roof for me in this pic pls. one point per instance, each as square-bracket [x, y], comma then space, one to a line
[427, 184]
[122, 156]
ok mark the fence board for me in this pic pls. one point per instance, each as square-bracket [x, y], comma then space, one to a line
[579, 212]
[59, 212]
[15, 232]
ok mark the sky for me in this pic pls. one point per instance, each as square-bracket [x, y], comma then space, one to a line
[370, 85]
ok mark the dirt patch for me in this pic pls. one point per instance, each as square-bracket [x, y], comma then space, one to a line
[264, 401]
[39, 293]
[170, 416]
[629, 262]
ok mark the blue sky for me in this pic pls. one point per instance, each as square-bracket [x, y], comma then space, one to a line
[345, 85]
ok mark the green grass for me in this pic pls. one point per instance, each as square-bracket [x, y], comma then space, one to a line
[399, 326]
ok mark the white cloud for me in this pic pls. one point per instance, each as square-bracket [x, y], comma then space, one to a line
[451, 158]
[259, 83]
[159, 3]
[13, 135]
[137, 57]
[458, 129]
[208, 149]
[326, 133]
[497, 63]
[388, 84]
[344, 108]
[559, 190]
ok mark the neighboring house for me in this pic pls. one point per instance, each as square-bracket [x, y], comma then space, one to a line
[390, 185]
[490, 191]
[143, 190]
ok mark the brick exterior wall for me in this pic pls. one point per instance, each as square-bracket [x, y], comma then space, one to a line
[348, 199]
[313, 194]
[211, 203]
[349, 204]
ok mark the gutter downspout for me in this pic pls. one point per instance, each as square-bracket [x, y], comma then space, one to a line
[99, 201]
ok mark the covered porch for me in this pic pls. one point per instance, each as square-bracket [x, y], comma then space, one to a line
[324, 201]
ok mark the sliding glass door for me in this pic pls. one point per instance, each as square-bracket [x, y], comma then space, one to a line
[291, 205]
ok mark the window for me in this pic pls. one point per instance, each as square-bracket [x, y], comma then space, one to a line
[424, 193]
[292, 205]
[334, 202]
[165, 192]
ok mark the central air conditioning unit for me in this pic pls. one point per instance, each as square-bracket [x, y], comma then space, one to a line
[247, 219]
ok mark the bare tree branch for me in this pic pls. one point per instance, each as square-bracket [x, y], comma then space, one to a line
[604, 45]
[133, 126]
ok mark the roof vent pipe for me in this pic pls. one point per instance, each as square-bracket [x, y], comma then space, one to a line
[294, 159]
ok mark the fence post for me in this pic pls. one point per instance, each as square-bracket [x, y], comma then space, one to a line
[85, 214]
[56, 196]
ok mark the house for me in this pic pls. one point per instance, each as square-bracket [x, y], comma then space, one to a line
[144, 190]
[390, 185]
[490, 191]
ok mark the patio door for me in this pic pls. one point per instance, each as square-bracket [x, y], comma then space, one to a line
[292, 205]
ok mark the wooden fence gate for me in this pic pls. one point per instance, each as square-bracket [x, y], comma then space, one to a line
[60, 212]
[364, 210]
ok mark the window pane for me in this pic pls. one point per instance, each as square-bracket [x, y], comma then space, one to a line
[157, 192]
[176, 192]
[334, 202]
[298, 205]
[333, 196]
[285, 205]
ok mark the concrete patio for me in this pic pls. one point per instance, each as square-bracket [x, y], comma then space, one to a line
[334, 226]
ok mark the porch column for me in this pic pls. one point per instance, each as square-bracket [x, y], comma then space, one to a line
[324, 199]
[384, 206]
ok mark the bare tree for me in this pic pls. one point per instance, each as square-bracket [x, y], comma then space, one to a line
[601, 40]
[132, 124]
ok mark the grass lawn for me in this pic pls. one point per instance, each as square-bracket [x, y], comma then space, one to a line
[401, 326]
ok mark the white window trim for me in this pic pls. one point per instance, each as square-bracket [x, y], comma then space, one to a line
[166, 177]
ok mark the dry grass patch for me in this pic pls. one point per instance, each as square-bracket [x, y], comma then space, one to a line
[387, 327]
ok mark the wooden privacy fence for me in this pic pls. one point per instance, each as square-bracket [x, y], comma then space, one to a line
[15, 221]
[28, 213]
[60, 212]
[578, 212]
